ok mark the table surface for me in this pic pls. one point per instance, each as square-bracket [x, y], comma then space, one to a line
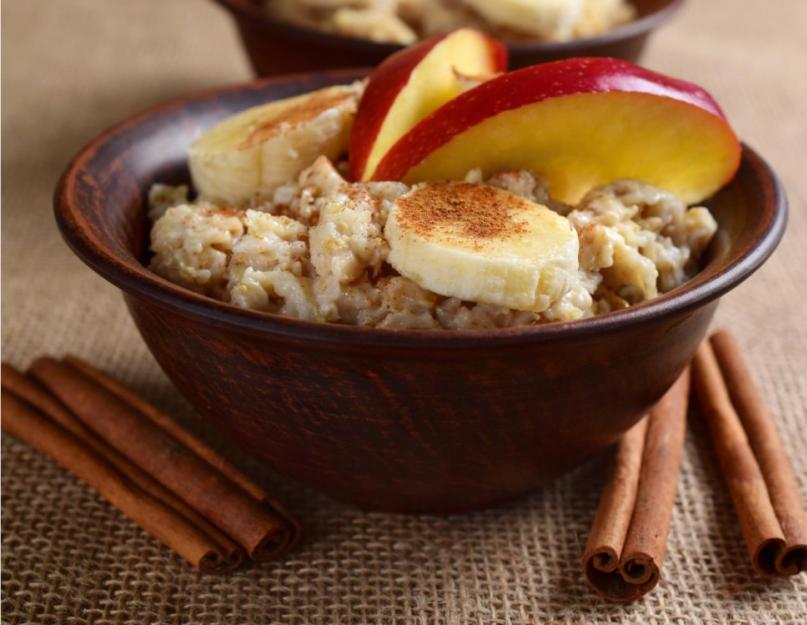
[73, 67]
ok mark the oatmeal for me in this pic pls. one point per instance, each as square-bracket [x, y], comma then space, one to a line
[317, 251]
[406, 21]
[193, 245]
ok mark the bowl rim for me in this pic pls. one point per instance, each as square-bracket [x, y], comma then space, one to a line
[248, 10]
[136, 279]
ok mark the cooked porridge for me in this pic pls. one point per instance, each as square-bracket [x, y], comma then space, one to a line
[406, 21]
[316, 250]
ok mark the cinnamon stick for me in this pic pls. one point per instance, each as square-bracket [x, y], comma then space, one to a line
[755, 467]
[228, 555]
[612, 520]
[626, 546]
[260, 530]
[28, 424]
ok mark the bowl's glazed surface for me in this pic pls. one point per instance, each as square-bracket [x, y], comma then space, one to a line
[396, 420]
[276, 47]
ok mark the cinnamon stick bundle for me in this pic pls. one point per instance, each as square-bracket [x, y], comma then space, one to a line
[626, 546]
[149, 454]
[752, 459]
[28, 424]
[24, 400]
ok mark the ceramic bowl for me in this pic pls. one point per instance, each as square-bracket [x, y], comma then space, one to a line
[395, 420]
[276, 47]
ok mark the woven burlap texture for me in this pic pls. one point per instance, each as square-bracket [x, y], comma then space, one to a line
[73, 67]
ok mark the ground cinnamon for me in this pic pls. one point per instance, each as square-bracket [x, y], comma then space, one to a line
[227, 554]
[259, 529]
[626, 546]
[755, 467]
[27, 423]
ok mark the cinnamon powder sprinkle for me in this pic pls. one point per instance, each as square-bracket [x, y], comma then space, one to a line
[307, 109]
[481, 211]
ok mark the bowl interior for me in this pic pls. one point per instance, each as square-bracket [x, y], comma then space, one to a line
[100, 207]
[648, 14]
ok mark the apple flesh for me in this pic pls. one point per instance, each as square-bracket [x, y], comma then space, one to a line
[411, 84]
[579, 123]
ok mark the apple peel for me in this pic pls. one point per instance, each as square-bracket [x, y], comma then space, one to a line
[411, 84]
[578, 123]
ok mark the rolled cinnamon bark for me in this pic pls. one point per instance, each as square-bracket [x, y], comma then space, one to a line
[626, 547]
[229, 555]
[746, 484]
[769, 452]
[27, 423]
[756, 468]
[646, 544]
[612, 520]
[261, 531]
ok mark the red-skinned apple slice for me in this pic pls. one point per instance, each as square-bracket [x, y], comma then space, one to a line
[579, 123]
[412, 83]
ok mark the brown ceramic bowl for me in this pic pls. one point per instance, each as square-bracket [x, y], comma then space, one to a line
[396, 420]
[276, 47]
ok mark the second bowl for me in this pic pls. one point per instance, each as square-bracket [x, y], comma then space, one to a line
[276, 47]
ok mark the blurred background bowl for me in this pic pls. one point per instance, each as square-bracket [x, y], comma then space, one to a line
[276, 47]
[398, 420]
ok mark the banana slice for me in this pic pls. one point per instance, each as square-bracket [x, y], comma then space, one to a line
[601, 15]
[252, 153]
[548, 19]
[482, 244]
[375, 25]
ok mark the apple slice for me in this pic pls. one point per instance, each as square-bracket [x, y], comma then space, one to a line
[412, 83]
[579, 123]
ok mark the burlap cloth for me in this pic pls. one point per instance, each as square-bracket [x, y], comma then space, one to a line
[71, 68]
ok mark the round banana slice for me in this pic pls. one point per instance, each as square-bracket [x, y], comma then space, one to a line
[252, 153]
[482, 244]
